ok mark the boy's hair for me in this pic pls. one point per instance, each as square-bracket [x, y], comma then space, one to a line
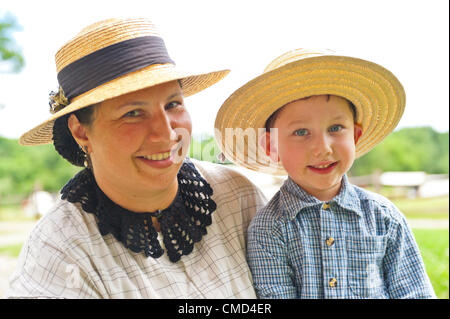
[272, 118]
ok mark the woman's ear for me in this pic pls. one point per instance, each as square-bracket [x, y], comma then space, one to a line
[357, 132]
[78, 131]
[269, 144]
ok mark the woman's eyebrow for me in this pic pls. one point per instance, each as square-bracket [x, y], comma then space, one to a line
[132, 103]
[142, 103]
[171, 96]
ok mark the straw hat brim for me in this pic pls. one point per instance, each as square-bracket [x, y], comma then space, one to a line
[152, 75]
[377, 94]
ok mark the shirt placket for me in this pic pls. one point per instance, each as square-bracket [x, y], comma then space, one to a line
[332, 276]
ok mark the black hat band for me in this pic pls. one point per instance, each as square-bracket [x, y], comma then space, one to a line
[112, 62]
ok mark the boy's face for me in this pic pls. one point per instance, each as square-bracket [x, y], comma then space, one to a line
[316, 143]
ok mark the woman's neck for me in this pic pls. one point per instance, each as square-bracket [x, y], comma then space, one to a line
[141, 202]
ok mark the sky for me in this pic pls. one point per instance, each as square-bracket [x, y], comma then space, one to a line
[408, 37]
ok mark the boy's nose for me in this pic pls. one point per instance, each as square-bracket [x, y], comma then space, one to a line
[321, 146]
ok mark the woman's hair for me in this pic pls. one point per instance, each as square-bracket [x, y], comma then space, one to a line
[63, 140]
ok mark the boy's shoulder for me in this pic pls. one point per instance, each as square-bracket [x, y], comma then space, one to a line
[270, 215]
[372, 202]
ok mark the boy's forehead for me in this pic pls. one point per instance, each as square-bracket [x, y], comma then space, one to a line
[314, 106]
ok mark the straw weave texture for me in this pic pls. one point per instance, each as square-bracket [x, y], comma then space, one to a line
[103, 34]
[378, 96]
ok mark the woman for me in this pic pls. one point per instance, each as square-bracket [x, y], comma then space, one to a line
[139, 221]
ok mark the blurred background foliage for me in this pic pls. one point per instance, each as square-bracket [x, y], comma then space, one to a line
[11, 58]
[408, 149]
[21, 168]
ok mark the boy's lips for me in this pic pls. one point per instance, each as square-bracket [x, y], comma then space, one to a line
[323, 168]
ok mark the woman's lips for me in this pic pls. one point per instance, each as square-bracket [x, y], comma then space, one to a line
[161, 159]
[162, 163]
[323, 168]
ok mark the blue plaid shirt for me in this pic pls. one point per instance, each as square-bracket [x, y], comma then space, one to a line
[357, 245]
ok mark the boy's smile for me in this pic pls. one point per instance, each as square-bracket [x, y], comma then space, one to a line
[323, 168]
[316, 143]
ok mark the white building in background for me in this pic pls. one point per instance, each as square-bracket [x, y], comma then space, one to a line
[38, 204]
[424, 185]
[414, 184]
[437, 187]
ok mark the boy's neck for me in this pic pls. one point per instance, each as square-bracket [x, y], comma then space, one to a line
[324, 195]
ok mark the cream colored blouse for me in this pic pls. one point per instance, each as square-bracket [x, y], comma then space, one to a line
[65, 255]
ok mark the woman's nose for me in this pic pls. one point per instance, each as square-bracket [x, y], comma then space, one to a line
[161, 127]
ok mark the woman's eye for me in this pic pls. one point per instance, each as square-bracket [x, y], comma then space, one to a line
[134, 113]
[172, 105]
[301, 132]
[336, 128]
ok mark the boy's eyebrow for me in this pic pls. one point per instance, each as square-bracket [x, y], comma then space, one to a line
[338, 117]
[296, 122]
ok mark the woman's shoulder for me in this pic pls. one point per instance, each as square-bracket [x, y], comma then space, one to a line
[219, 173]
[61, 224]
[229, 183]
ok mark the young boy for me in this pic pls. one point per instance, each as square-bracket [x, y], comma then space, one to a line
[320, 236]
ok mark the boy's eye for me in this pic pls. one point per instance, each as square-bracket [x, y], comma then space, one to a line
[301, 132]
[336, 128]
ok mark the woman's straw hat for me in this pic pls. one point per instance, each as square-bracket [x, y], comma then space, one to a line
[108, 59]
[377, 94]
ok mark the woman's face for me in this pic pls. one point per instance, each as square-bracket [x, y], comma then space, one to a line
[134, 141]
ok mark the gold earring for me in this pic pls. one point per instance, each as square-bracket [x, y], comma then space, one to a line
[86, 151]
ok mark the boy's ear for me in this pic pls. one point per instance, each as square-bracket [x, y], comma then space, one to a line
[357, 132]
[78, 131]
[269, 146]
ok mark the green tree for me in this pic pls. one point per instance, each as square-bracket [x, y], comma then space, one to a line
[21, 168]
[408, 149]
[11, 58]
[205, 148]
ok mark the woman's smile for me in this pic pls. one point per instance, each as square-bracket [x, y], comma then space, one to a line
[162, 159]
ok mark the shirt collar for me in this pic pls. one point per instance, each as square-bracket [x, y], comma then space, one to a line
[293, 198]
[188, 214]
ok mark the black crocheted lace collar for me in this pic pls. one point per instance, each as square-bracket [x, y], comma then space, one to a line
[182, 224]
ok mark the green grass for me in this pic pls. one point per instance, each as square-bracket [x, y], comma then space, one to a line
[11, 250]
[433, 207]
[433, 245]
[13, 213]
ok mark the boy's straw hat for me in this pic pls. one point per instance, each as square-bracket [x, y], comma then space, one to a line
[377, 94]
[108, 59]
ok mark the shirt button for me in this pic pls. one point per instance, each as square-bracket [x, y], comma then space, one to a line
[332, 282]
[326, 206]
[329, 241]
